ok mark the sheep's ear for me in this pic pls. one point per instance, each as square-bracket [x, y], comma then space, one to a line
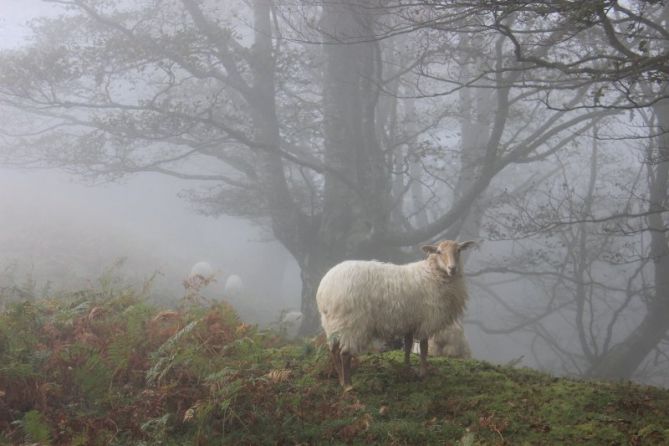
[429, 249]
[467, 244]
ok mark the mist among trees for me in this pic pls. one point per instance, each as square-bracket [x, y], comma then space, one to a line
[358, 129]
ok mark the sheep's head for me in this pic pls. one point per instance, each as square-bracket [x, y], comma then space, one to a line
[446, 255]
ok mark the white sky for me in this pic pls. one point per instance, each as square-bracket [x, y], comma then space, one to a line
[14, 14]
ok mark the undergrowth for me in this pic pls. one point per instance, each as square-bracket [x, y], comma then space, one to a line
[107, 368]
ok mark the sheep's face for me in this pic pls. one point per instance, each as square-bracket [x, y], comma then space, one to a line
[446, 255]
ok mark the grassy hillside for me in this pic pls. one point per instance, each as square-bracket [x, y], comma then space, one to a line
[105, 368]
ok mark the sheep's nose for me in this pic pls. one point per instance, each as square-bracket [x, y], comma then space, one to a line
[452, 270]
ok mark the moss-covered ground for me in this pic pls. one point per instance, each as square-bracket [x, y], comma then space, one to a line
[92, 369]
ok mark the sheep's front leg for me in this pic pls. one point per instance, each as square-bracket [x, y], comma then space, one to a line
[423, 357]
[408, 346]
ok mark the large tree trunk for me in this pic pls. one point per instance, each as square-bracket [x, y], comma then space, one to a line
[622, 360]
[356, 202]
[350, 96]
[312, 270]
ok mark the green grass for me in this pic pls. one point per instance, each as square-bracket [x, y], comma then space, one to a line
[472, 401]
[114, 370]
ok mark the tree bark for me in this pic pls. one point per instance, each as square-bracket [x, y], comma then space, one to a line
[355, 209]
[312, 270]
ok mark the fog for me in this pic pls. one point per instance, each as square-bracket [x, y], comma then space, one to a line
[275, 142]
[64, 235]
[61, 232]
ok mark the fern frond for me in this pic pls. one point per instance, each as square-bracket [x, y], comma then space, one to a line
[36, 428]
[176, 337]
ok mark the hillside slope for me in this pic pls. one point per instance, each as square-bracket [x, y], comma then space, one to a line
[106, 368]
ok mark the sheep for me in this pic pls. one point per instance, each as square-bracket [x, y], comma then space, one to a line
[202, 286]
[200, 277]
[360, 301]
[449, 342]
[289, 324]
[202, 269]
[234, 287]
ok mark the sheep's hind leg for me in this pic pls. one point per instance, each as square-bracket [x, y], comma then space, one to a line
[408, 346]
[422, 371]
[335, 353]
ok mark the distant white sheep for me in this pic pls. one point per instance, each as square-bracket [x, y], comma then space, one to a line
[364, 300]
[200, 277]
[202, 269]
[202, 287]
[289, 324]
[234, 287]
[449, 342]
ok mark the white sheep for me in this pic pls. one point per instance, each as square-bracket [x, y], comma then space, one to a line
[202, 269]
[200, 277]
[289, 324]
[234, 288]
[364, 300]
[449, 342]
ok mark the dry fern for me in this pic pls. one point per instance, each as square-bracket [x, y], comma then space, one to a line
[278, 375]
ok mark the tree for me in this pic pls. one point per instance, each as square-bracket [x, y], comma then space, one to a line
[294, 114]
[616, 46]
